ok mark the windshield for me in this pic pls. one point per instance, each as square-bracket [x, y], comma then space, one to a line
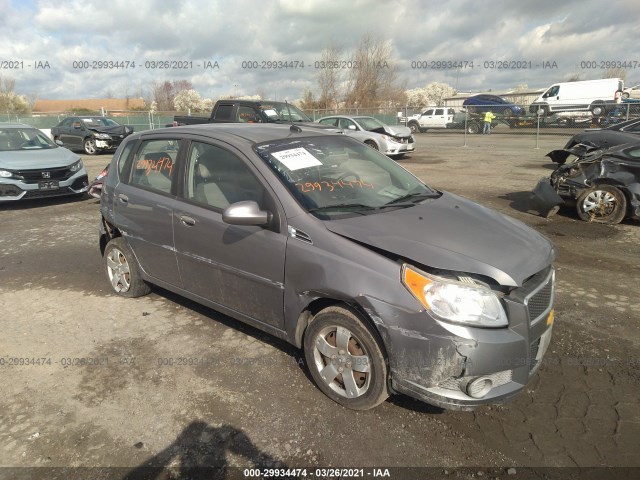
[369, 123]
[336, 176]
[285, 112]
[99, 122]
[12, 139]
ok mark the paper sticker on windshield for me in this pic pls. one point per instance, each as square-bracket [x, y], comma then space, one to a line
[270, 112]
[296, 159]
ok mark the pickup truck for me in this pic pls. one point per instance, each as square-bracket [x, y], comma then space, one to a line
[248, 111]
[444, 117]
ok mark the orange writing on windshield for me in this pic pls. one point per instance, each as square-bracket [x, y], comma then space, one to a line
[331, 185]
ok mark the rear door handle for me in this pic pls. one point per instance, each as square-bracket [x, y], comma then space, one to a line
[123, 198]
[188, 221]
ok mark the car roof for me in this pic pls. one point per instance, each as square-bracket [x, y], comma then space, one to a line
[250, 132]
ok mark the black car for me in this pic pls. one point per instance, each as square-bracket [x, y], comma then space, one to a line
[603, 182]
[91, 134]
[618, 134]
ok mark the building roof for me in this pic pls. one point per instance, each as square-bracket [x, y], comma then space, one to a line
[108, 104]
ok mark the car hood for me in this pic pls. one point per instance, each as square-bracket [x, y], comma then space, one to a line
[37, 159]
[453, 233]
[396, 131]
[123, 130]
[603, 138]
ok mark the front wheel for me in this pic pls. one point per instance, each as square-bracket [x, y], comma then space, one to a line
[414, 127]
[122, 269]
[371, 144]
[597, 109]
[602, 204]
[90, 146]
[625, 95]
[345, 359]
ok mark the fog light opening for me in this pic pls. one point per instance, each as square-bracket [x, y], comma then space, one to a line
[476, 387]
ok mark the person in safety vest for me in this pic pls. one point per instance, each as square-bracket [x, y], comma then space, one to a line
[488, 117]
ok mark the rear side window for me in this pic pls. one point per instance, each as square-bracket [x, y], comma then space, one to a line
[440, 111]
[153, 165]
[223, 112]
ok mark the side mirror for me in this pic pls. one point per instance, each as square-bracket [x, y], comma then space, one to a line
[351, 127]
[59, 142]
[246, 212]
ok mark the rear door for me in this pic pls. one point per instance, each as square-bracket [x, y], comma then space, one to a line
[143, 206]
[238, 267]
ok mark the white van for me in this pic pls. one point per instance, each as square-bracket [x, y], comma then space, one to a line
[597, 96]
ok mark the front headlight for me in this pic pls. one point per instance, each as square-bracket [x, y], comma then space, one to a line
[389, 138]
[453, 301]
[76, 166]
[5, 173]
[102, 136]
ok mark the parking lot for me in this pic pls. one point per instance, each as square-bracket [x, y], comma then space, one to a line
[94, 380]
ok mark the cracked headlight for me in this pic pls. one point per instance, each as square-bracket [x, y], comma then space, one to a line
[102, 136]
[389, 138]
[453, 301]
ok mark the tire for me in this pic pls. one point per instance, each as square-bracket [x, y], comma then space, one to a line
[473, 128]
[414, 127]
[602, 204]
[625, 95]
[371, 144]
[90, 146]
[507, 112]
[355, 376]
[122, 269]
[598, 109]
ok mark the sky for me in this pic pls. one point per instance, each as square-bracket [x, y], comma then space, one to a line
[80, 49]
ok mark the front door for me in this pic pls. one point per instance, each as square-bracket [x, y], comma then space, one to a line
[238, 267]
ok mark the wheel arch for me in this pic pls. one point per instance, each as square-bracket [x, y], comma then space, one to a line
[107, 233]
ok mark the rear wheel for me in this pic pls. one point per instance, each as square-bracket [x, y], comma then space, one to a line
[602, 204]
[597, 109]
[507, 112]
[625, 95]
[414, 127]
[473, 127]
[122, 269]
[345, 359]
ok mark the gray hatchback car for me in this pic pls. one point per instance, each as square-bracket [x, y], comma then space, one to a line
[387, 284]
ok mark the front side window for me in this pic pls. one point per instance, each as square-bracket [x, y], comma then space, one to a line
[217, 178]
[429, 112]
[153, 165]
[329, 121]
[337, 176]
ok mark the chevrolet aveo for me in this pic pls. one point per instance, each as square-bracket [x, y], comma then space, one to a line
[387, 284]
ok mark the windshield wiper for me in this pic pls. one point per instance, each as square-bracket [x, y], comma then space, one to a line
[414, 197]
[354, 206]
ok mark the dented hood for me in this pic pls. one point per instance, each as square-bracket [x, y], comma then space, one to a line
[452, 233]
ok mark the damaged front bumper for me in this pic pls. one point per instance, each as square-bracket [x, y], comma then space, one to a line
[545, 199]
[459, 367]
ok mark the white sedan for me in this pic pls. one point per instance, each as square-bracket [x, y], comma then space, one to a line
[393, 141]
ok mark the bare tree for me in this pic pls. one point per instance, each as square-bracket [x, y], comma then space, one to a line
[574, 77]
[373, 78]
[615, 73]
[330, 76]
[164, 93]
[10, 101]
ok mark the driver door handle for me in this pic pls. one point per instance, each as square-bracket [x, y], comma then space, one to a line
[123, 198]
[188, 221]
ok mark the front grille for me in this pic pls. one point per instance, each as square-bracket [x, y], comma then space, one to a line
[35, 176]
[540, 301]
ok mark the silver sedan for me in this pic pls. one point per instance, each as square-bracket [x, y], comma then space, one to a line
[391, 140]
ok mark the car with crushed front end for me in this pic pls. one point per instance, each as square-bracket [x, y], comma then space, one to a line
[387, 284]
[392, 140]
[90, 134]
[32, 166]
[603, 183]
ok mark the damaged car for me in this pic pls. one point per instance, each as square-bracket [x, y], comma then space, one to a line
[387, 284]
[90, 134]
[604, 183]
[393, 141]
[618, 134]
